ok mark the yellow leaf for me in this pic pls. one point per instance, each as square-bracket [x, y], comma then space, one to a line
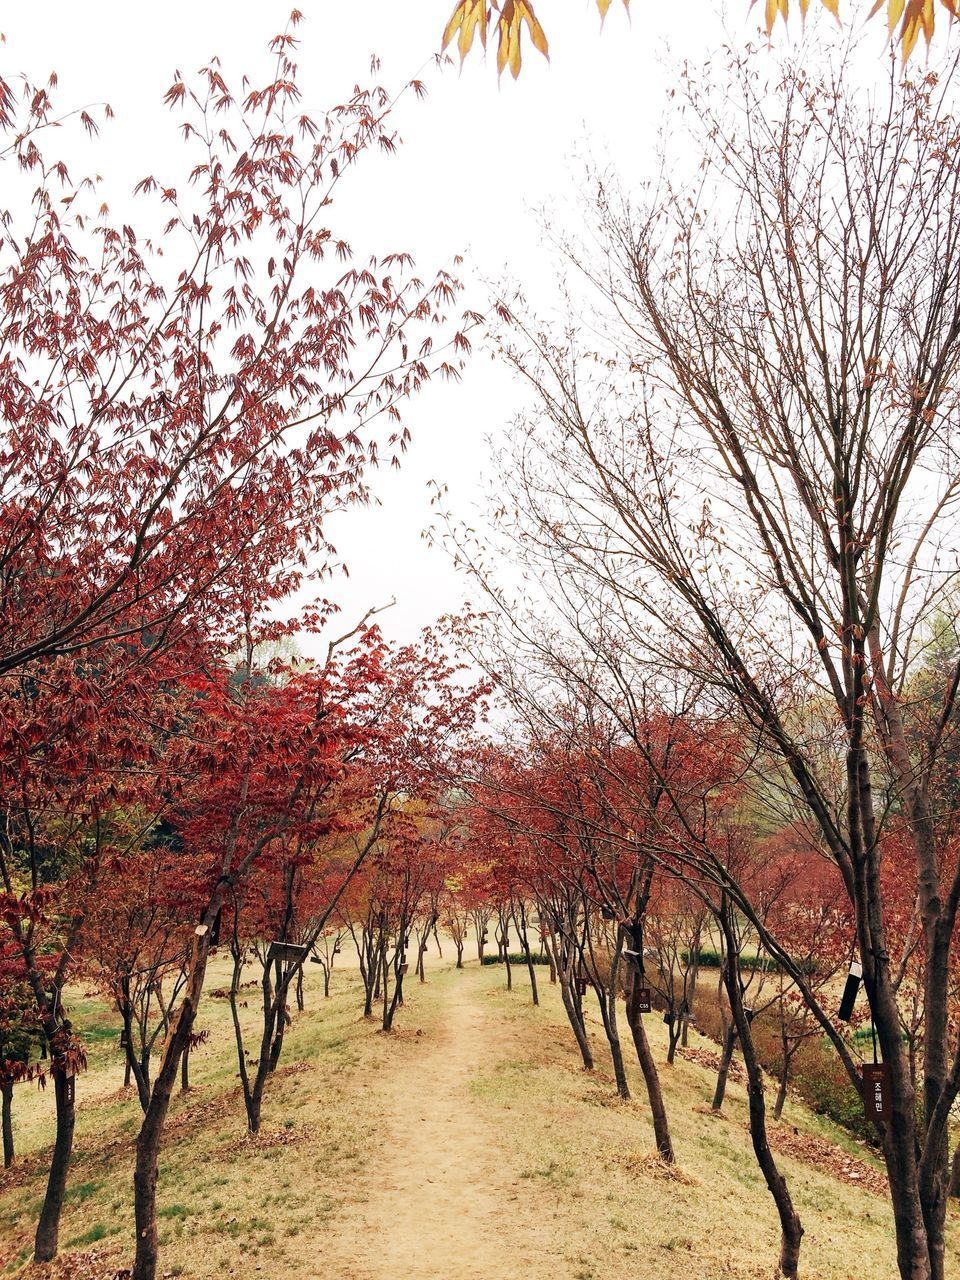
[909, 32]
[467, 29]
[515, 51]
[537, 34]
[603, 6]
[468, 17]
[833, 6]
[894, 10]
[504, 27]
[774, 7]
[456, 18]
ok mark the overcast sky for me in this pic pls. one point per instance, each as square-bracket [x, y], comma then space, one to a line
[478, 160]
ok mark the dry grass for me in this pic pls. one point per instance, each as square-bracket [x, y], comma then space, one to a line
[473, 1148]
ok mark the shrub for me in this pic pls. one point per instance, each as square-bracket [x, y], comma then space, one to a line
[710, 958]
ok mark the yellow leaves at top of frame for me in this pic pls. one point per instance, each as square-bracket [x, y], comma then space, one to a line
[473, 17]
[913, 17]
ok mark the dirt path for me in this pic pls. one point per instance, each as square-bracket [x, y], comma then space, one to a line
[437, 1202]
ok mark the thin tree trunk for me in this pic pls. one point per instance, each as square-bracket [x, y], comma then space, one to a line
[531, 970]
[675, 1029]
[954, 1188]
[577, 1025]
[720, 1092]
[6, 1089]
[791, 1229]
[608, 1009]
[185, 1071]
[651, 1077]
[48, 1228]
[151, 1131]
[788, 1052]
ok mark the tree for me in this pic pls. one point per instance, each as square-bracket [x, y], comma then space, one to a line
[754, 484]
[136, 946]
[181, 413]
[82, 791]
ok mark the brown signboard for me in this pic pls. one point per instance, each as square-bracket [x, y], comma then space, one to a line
[643, 1000]
[286, 951]
[876, 1091]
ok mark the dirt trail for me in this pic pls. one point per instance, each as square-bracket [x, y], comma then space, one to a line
[439, 1200]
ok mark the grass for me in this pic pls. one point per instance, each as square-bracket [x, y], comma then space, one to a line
[575, 1188]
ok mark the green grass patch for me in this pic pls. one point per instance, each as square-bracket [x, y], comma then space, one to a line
[174, 1211]
[99, 1231]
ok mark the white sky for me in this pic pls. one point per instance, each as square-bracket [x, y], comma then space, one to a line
[477, 161]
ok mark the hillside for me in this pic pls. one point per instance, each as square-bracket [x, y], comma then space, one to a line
[469, 1143]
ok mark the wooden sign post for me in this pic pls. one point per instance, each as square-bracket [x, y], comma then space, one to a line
[643, 1000]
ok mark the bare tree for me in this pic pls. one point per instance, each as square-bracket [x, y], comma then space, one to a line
[750, 475]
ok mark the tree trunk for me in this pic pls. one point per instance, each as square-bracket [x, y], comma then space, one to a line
[48, 1228]
[608, 1010]
[6, 1089]
[300, 990]
[577, 1025]
[531, 969]
[675, 1030]
[725, 1059]
[150, 1136]
[791, 1229]
[788, 1052]
[651, 1078]
[390, 1007]
[185, 1071]
[954, 1187]
[781, 1091]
